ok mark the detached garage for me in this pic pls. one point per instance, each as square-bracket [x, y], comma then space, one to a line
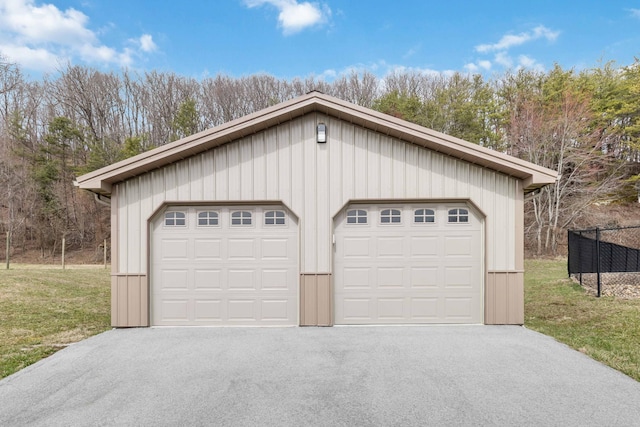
[317, 212]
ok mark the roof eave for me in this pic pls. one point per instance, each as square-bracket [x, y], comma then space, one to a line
[100, 181]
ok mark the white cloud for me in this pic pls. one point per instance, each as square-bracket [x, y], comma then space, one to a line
[42, 24]
[40, 37]
[293, 16]
[329, 74]
[147, 44]
[471, 67]
[503, 59]
[480, 65]
[34, 59]
[634, 12]
[525, 61]
[509, 40]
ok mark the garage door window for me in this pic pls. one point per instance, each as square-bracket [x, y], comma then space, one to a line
[356, 216]
[241, 218]
[424, 216]
[390, 216]
[458, 215]
[207, 219]
[274, 218]
[175, 219]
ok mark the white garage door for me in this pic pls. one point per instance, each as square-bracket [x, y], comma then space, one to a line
[419, 263]
[224, 266]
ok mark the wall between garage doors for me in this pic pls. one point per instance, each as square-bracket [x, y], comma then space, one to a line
[315, 181]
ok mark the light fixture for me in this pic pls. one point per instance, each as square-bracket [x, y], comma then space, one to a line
[322, 132]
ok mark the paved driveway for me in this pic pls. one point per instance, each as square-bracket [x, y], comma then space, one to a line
[350, 376]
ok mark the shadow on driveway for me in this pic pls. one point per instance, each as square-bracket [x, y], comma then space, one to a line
[342, 376]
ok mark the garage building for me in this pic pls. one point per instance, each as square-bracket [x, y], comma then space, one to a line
[317, 212]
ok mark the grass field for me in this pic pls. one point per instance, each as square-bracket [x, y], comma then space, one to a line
[607, 328]
[44, 308]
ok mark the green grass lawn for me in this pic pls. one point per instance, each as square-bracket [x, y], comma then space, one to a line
[43, 309]
[607, 328]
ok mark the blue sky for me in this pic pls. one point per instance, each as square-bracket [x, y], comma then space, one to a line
[296, 38]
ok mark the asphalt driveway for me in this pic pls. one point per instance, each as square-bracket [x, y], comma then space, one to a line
[350, 376]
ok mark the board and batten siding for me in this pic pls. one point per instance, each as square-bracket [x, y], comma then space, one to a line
[315, 181]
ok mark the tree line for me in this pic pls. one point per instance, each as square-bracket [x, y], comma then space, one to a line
[584, 124]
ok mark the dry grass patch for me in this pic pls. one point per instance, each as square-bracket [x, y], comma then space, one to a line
[607, 328]
[45, 309]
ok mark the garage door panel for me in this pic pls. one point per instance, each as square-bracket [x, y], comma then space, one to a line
[425, 309]
[242, 310]
[275, 310]
[459, 277]
[224, 274]
[459, 308]
[242, 279]
[174, 279]
[275, 249]
[390, 247]
[390, 277]
[208, 279]
[424, 277]
[175, 249]
[356, 277]
[423, 246]
[208, 310]
[356, 247]
[174, 310]
[356, 309]
[207, 249]
[456, 246]
[391, 309]
[241, 249]
[275, 279]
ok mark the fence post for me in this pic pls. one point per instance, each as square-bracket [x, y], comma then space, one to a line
[104, 255]
[598, 260]
[63, 248]
[8, 247]
[580, 259]
[569, 253]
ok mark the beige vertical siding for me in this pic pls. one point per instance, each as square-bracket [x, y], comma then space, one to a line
[129, 300]
[504, 298]
[316, 300]
[316, 181]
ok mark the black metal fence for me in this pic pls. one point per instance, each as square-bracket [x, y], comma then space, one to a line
[606, 261]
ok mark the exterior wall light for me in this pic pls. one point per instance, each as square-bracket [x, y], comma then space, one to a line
[322, 133]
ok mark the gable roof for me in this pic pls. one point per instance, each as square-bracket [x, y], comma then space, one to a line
[532, 175]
